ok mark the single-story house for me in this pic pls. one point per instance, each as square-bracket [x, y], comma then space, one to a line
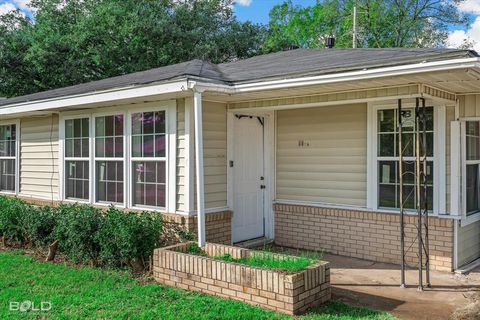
[296, 146]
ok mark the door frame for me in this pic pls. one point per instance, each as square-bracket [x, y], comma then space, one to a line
[269, 162]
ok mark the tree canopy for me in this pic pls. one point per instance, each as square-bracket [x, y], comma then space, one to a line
[381, 23]
[76, 41]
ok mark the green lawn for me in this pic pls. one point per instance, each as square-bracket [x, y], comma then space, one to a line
[79, 293]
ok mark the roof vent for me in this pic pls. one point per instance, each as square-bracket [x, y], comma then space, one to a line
[330, 42]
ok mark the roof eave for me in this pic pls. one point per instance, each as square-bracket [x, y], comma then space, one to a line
[299, 81]
[111, 95]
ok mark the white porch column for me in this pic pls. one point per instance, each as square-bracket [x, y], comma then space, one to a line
[197, 105]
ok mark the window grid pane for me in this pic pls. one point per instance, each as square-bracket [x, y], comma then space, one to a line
[8, 136]
[148, 134]
[7, 175]
[109, 136]
[149, 183]
[388, 158]
[8, 145]
[76, 180]
[77, 138]
[77, 145]
[109, 181]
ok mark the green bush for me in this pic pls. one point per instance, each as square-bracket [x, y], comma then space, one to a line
[125, 236]
[76, 229]
[12, 214]
[85, 233]
[39, 224]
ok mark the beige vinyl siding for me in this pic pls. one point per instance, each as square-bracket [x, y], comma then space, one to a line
[450, 116]
[215, 154]
[325, 98]
[180, 155]
[331, 167]
[469, 106]
[39, 157]
[468, 243]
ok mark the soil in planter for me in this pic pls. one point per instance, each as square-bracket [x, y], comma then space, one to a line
[265, 260]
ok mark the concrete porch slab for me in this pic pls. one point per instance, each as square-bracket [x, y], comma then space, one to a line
[376, 285]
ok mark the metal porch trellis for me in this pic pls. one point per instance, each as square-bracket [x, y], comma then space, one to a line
[420, 193]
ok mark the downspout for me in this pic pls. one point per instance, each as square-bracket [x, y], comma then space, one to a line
[197, 106]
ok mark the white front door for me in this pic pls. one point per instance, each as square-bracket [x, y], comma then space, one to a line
[248, 178]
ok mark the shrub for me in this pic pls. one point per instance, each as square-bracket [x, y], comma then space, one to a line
[76, 229]
[12, 213]
[127, 236]
[39, 224]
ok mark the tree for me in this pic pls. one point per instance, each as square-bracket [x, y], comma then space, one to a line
[76, 41]
[381, 23]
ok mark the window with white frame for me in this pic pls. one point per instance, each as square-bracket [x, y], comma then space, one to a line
[127, 163]
[109, 159]
[148, 159]
[472, 167]
[8, 157]
[77, 157]
[388, 157]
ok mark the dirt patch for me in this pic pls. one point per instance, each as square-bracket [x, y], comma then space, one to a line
[469, 311]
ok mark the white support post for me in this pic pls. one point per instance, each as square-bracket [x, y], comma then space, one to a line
[197, 105]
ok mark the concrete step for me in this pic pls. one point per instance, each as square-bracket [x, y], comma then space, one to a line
[254, 243]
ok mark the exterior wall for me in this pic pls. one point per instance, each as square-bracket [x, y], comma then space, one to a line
[468, 243]
[469, 106]
[337, 97]
[215, 154]
[366, 235]
[39, 157]
[331, 166]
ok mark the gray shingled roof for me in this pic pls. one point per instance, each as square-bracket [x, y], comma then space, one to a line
[286, 64]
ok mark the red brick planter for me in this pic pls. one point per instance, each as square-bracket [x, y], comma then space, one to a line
[287, 293]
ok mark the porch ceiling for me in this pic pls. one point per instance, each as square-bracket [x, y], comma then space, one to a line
[460, 81]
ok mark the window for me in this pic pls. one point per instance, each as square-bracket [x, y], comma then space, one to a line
[109, 162]
[77, 159]
[472, 139]
[148, 159]
[8, 156]
[122, 156]
[388, 157]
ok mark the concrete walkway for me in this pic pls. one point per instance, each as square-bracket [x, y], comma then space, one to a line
[376, 285]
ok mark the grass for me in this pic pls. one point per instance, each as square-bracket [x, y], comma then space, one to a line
[83, 292]
[265, 259]
[268, 261]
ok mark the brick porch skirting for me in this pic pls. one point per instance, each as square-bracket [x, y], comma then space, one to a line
[287, 293]
[361, 234]
[218, 225]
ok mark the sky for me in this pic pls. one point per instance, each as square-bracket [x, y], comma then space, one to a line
[257, 11]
